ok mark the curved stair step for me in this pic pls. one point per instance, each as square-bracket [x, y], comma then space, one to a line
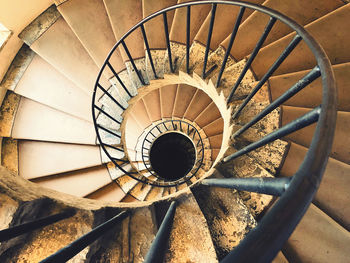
[38, 159]
[184, 96]
[109, 193]
[318, 238]
[68, 55]
[97, 25]
[304, 136]
[214, 128]
[333, 195]
[209, 114]
[167, 100]
[229, 220]
[199, 102]
[189, 226]
[52, 125]
[252, 28]
[301, 57]
[152, 104]
[53, 89]
[89, 180]
[121, 21]
[311, 96]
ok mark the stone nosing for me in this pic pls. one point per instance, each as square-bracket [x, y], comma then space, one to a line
[17, 68]
[39, 25]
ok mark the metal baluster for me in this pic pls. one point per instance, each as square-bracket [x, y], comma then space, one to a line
[306, 80]
[24, 228]
[266, 185]
[305, 120]
[78, 245]
[158, 247]
[165, 22]
[252, 56]
[133, 63]
[188, 36]
[148, 50]
[268, 74]
[210, 32]
[105, 113]
[110, 96]
[106, 130]
[229, 47]
[119, 80]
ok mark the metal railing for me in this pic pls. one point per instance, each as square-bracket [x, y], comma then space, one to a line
[297, 193]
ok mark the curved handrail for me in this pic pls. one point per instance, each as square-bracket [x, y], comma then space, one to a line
[277, 225]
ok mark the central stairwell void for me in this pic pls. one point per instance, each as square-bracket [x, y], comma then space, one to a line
[192, 134]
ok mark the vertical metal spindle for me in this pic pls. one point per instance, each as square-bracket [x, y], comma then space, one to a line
[133, 63]
[110, 96]
[297, 124]
[119, 80]
[166, 30]
[210, 32]
[158, 247]
[24, 228]
[148, 50]
[295, 41]
[306, 80]
[78, 245]
[252, 56]
[188, 36]
[229, 47]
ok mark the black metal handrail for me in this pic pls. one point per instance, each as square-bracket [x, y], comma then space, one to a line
[277, 225]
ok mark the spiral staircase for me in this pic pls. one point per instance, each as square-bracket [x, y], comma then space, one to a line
[104, 94]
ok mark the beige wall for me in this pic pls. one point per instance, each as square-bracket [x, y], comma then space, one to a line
[15, 15]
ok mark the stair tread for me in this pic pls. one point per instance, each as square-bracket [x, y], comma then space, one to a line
[318, 238]
[311, 96]
[53, 89]
[229, 220]
[167, 100]
[38, 158]
[152, 104]
[304, 136]
[184, 96]
[333, 195]
[302, 58]
[121, 22]
[68, 55]
[52, 125]
[89, 180]
[252, 28]
[109, 193]
[97, 25]
[188, 228]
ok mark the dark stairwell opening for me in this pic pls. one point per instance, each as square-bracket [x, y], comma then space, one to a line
[172, 156]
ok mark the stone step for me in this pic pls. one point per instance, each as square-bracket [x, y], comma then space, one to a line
[68, 55]
[98, 26]
[53, 89]
[333, 195]
[38, 159]
[128, 241]
[89, 181]
[318, 238]
[121, 21]
[304, 136]
[251, 29]
[208, 115]
[200, 100]
[229, 220]
[214, 128]
[52, 125]
[167, 100]
[302, 58]
[108, 193]
[311, 96]
[188, 228]
[39, 244]
[153, 106]
[184, 96]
